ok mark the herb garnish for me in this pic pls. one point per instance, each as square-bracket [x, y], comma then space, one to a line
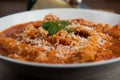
[54, 26]
[68, 30]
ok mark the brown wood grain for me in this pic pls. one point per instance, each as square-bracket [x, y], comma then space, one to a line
[12, 6]
[109, 5]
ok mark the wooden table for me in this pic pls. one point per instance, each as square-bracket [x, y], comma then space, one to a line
[107, 5]
[14, 6]
[7, 74]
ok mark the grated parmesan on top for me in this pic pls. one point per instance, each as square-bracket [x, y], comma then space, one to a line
[88, 28]
[40, 38]
[101, 41]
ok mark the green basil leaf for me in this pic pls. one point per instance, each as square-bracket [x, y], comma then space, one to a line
[54, 26]
[64, 23]
[68, 30]
[53, 29]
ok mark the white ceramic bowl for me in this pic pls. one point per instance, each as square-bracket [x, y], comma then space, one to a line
[61, 71]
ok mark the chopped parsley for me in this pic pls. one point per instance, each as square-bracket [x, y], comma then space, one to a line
[54, 26]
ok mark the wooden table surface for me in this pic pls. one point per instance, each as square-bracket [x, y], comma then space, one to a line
[14, 6]
[107, 5]
[7, 74]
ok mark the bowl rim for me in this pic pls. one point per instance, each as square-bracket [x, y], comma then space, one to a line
[89, 10]
[59, 65]
[79, 65]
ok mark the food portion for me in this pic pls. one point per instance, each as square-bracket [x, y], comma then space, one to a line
[57, 41]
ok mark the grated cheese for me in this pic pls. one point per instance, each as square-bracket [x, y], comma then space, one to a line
[48, 43]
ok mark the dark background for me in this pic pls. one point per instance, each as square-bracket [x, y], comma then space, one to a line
[14, 6]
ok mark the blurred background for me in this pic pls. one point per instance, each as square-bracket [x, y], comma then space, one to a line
[13, 6]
